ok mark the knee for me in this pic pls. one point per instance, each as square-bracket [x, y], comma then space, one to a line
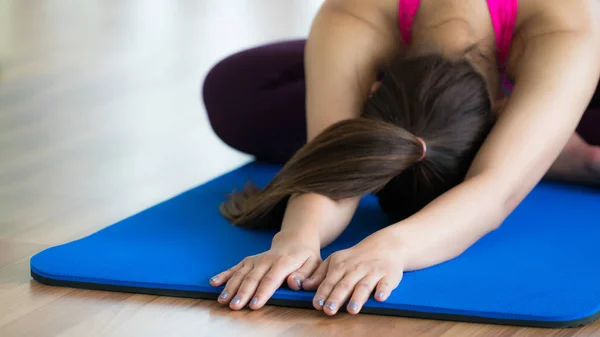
[218, 91]
[218, 82]
[231, 73]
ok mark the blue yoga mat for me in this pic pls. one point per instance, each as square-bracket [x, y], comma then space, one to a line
[541, 268]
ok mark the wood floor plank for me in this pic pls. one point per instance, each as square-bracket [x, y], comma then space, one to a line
[62, 309]
[12, 251]
[22, 302]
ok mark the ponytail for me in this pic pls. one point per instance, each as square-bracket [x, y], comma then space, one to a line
[444, 101]
[351, 158]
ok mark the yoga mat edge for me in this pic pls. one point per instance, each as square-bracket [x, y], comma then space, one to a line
[306, 305]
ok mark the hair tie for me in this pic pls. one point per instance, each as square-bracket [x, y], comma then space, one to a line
[424, 146]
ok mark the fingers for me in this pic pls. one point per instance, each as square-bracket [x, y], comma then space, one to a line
[334, 274]
[341, 291]
[270, 282]
[223, 277]
[256, 278]
[313, 282]
[296, 279]
[339, 279]
[362, 291]
[233, 284]
[360, 287]
[248, 286]
[386, 286]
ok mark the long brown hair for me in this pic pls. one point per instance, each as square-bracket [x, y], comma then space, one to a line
[444, 102]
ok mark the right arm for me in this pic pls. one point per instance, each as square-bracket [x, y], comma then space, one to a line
[349, 41]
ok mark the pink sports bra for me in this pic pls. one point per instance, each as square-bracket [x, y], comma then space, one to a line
[503, 14]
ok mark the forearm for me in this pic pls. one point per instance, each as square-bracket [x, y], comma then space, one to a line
[452, 223]
[317, 219]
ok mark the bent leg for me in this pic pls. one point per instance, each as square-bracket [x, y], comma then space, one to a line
[255, 100]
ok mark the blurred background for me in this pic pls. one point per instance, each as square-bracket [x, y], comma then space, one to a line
[100, 107]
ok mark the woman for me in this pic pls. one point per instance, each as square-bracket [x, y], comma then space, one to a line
[451, 111]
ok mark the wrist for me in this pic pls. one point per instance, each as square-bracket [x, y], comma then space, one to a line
[297, 237]
[401, 246]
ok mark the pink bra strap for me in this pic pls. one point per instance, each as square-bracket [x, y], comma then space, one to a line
[503, 14]
[407, 9]
[504, 18]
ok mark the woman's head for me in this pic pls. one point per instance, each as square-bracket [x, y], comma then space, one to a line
[441, 101]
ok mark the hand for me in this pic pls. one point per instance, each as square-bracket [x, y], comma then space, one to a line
[257, 277]
[376, 263]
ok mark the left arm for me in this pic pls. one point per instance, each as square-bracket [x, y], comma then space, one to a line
[555, 79]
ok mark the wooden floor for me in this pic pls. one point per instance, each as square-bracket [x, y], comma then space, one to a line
[100, 118]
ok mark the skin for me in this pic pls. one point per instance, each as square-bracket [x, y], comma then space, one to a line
[554, 65]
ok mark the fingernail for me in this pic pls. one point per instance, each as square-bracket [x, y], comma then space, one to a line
[380, 294]
[254, 301]
[236, 300]
[309, 279]
[331, 306]
[320, 302]
[298, 281]
[214, 278]
[353, 306]
[224, 295]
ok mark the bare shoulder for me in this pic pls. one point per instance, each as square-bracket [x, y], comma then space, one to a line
[540, 17]
[380, 13]
[573, 22]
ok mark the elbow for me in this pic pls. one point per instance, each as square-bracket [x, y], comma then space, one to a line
[508, 205]
[494, 226]
[501, 197]
[504, 210]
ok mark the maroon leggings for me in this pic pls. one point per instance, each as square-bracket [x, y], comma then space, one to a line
[255, 101]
